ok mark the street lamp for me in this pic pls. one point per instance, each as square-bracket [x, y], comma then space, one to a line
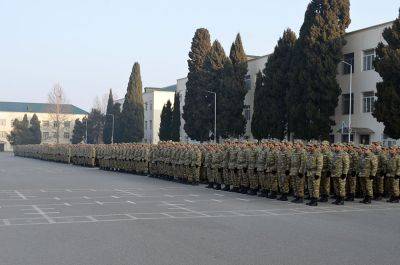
[112, 130]
[86, 118]
[351, 79]
[215, 114]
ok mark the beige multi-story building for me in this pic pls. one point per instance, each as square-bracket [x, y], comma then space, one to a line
[360, 52]
[9, 111]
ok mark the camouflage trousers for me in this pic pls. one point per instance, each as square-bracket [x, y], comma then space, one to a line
[394, 187]
[314, 185]
[284, 183]
[367, 186]
[339, 185]
[300, 180]
[253, 179]
[272, 181]
[325, 184]
[262, 179]
[351, 183]
[235, 177]
[293, 184]
[195, 173]
[203, 175]
[226, 177]
[210, 175]
[379, 184]
[217, 176]
[244, 178]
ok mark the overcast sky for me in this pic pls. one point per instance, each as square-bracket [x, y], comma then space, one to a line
[90, 46]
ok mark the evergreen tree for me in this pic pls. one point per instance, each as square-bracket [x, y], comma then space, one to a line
[314, 91]
[132, 116]
[176, 119]
[196, 109]
[107, 131]
[270, 110]
[165, 132]
[79, 132]
[95, 124]
[117, 122]
[34, 130]
[20, 133]
[387, 64]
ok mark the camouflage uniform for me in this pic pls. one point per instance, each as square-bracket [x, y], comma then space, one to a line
[368, 170]
[340, 169]
[393, 175]
[315, 161]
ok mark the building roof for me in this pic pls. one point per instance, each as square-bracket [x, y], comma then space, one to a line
[38, 108]
[371, 27]
[171, 88]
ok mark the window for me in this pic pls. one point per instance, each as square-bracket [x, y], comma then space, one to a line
[365, 139]
[151, 125]
[348, 58]
[3, 135]
[145, 106]
[368, 102]
[55, 124]
[66, 135]
[46, 123]
[368, 59]
[346, 103]
[247, 112]
[151, 105]
[46, 135]
[67, 124]
[345, 138]
[145, 125]
[247, 81]
[55, 135]
[2, 122]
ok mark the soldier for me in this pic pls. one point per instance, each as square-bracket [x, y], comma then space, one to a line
[251, 155]
[315, 162]
[207, 166]
[261, 167]
[326, 171]
[233, 152]
[379, 181]
[368, 170]
[283, 169]
[241, 165]
[353, 171]
[297, 171]
[393, 174]
[226, 179]
[340, 169]
[271, 169]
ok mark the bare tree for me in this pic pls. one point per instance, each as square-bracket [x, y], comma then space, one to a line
[101, 103]
[58, 110]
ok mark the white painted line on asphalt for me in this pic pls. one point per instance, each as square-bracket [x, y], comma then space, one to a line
[245, 200]
[68, 190]
[115, 197]
[218, 194]
[67, 204]
[19, 194]
[99, 203]
[42, 190]
[86, 197]
[91, 218]
[189, 201]
[168, 215]
[131, 202]
[45, 216]
[56, 198]
[92, 190]
[193, 195]
[168, 195]
[131, 216]
[216, 200]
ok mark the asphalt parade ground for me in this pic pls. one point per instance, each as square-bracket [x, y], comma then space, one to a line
[54, 213]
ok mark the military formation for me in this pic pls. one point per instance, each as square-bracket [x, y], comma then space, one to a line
[313, 171]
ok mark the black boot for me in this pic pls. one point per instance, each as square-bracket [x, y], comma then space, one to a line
[393, 199]
[263, 193]
[299, 200]
[210, 185]
[339, 201]
[218, 187]
[243, 190]
[252, 192]
[313, 202]
[234, 189]
[283, 197]
[350, 198]
[226, 188]
[324, 198]
[378, 197]
[366, 200]
[272, 195]
[295, 200]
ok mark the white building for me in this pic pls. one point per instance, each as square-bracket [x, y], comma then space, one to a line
[359, 51]
[9, 111]
[154, 100]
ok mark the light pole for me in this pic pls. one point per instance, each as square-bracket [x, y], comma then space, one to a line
[112, 130]
[215, 114]
[351, 79]
[86, 118]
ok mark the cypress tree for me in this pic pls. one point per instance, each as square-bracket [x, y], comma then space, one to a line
[95, 124]
[270, 110]
[387, 64]
[165, 132]
[116, 110]
[78, 133]
[313, 94]
[107, 131]
[34, 130]
[132, 116]
[196, 108]
[176, 119]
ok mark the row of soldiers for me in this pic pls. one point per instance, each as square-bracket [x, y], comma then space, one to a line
[132, 158]
[273, 169]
